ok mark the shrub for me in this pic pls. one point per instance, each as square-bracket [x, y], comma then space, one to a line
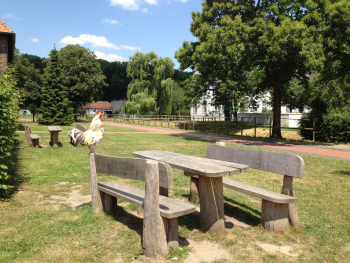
[332, 126]
[9, 113]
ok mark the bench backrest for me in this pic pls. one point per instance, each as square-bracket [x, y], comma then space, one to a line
[131, 168]
[81, 128]
[280, 163]
[28, 131]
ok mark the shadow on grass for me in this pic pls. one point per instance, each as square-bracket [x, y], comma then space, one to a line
[233, 209]
[342, 173]
[13, 180]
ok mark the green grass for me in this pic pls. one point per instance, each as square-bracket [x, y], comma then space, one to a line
[36, 127]
[35, 226]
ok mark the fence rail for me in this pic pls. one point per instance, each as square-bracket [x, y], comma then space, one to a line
[204, 124]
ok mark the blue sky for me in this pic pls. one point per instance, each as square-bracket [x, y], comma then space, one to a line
[113, 29]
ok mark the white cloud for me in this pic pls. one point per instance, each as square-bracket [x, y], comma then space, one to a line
[10, 16]
[109, 57]
[34, 40]
[145, 10]
[110, 21]
[183, 1]
[126, 4]
[152, 2]
[130, 47]
[85, 38]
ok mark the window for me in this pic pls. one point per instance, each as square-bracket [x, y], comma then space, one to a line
[195, 110]
[205, 106]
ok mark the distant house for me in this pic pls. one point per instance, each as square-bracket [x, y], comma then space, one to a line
[7, 45]
[104, 106]
[117, 104]
[23, 109]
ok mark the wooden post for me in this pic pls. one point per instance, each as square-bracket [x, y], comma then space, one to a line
[255, 127]
[313, 130]
[171, 227]
[211, 204]
[109, 203]
[28, 130]
[270, 127]
[287, 189]
[154, 237]
[274, 216]
[241, 126]
[193, 124]
[96, 202]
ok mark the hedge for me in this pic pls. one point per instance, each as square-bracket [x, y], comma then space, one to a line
[9, 110]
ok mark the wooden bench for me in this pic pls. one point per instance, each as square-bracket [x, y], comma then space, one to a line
[276, 207]
[162, 221]
[81, 128]
[32, 139]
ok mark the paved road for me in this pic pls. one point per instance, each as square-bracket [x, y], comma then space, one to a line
[319, 150]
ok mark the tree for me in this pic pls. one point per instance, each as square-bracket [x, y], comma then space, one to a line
[55, 106]
[178, 95]
[29, 79]
[38, 62]
[116, 79]
[151, 85]
[280, 38]
[81, 73]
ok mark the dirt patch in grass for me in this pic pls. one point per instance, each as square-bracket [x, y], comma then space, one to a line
[287, 250]
[206, 251]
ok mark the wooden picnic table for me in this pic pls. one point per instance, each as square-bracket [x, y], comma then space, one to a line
[210, 173]
[54, 130]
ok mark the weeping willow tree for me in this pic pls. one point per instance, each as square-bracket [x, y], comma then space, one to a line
[151, 85]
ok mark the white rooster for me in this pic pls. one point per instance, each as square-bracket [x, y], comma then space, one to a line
[92, 136]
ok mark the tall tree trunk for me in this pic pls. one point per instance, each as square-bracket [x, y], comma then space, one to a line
[227, 110]
[277, 101]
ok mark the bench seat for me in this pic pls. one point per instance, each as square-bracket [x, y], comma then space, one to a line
[168, 207]
[35, 140]
[258, 192]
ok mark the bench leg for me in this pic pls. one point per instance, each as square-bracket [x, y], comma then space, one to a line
[171, 227]
[274, 216]
[212, 216]
[287, 189]
[109, 203]
[35, 143]
[194, 190]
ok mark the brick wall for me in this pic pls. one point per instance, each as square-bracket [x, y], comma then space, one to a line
[3, 52]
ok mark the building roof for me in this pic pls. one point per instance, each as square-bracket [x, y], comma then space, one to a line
[4, 27]
[104, 105]
[117, 104]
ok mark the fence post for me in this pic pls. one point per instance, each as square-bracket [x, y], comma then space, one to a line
[241, 126]
[313, 131]
[255, 128]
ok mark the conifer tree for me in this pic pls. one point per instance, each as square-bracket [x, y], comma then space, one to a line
[55, 105]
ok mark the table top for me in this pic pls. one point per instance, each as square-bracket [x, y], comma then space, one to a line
[54, 128]
[197, 165]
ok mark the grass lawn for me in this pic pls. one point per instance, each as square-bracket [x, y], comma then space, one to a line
[36, 127]
[37, 224]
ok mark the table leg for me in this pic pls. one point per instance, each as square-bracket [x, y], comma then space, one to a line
[51, 139]
[211, 204]
[55, 139]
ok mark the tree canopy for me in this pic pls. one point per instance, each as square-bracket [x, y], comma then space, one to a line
[28, 78]
[116, 79]
[55, 106]
[280, 38]
[151, 84]
[82, 74]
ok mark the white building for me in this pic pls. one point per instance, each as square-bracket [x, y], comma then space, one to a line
[262, 111]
